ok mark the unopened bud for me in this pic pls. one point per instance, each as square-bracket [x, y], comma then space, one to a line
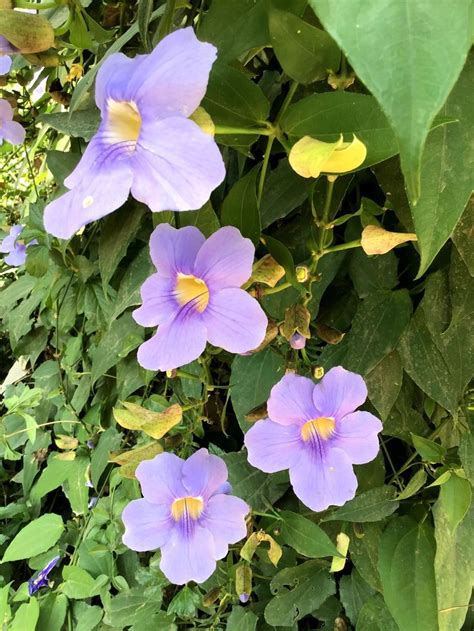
[297, 341]
[318, 372]
[302, 273]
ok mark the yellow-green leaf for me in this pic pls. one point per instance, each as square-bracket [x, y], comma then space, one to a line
[28, 32]
[155, 424]
[130, 459]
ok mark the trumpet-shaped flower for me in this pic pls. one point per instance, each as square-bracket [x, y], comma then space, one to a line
[146, 142]
[16, 250]
[186, 511]
[10, 130]
[41, 579]
[317, 433]
[195, 296]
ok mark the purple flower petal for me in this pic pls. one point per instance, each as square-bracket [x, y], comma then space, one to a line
[339, 393]
[297, 341]
[176, 165]
[234, 321]
[273, 447]
[356, 435]
[173, 250]
[188, 556]
[6, 111]
[147, 526]
[324, 481]
[175, 344]
[114, 78]
[225, 518]
[17, 256]
[203, 474]
[160, 478]
[172, 80]
[13, 132]
[5, 47]
[291, 401]
[96, 196]
[5, 64]
[159, 303]
[226, 259]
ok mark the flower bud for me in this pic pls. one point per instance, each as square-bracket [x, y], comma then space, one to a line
[302, 273]
[318, 372]
[297, 341]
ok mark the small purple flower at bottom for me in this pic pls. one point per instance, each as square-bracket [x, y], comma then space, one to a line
[195, 297]
[41, 578]
[16, 251]
[10, 130]
[316, 433]
[297, 341]
[187, 512]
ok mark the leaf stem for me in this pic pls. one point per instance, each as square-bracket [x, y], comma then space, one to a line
[343, 246]
[246, 131]
[275, 290]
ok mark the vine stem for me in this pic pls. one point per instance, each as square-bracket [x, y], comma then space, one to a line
[244, 131]
[21, 431]
[275, 290]
[343, 246]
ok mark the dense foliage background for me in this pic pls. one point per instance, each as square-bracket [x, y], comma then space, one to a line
[395, 74]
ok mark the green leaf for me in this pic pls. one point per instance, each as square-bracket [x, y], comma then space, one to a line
[145, 8]
[305, 536]
[116, 233]
[129, 291]
[36, 537]
[328, 115]
[252, 378]
[414, 485]
[37, 260]
[384, 383]
[364, 550]
[282, 255]
[453, 567]
[354, 592]
[298, 591]
[446, 172]
[52, 476]
[284, 190]
[240, 207]
[376, 329]
[79, 583]
[462, 236]
[87, 616]
[428, 449]
[466, 454]
[52, 613]
[81, 124]
[134, 606]
[241, 619]
[373, 505]
[421, 61]
[205, 219]
[406, 566]
[26, 617]
[108, 441]
[185, 603]
[258, 489]
[374, 616]
[75, 486]
[455, 500]
[306, 53]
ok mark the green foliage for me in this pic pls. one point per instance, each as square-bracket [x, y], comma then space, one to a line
[79, 413]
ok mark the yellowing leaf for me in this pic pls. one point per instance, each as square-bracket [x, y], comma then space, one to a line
[297, 320]
[267, 271]
[342, 545]
[129, 460]
[310, 157]
[252, 543]
[30, 33]
[66, 455]
[203, 120]
[63, 441]
[155, 424]
[376, 240]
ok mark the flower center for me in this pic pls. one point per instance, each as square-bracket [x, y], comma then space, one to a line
[124, 121]
[190, 289]
[322, 427]
[187, 507]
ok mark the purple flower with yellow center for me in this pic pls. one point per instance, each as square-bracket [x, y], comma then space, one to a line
[317, 433]
[16, 250]
[187, 512]
[10, 130]
[41, 578]
[145, 143]
[195, 296]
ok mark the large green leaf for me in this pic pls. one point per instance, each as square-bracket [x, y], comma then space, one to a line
[326, 116]
[374, 616]
[36, 537]
[406, 566]
[446, 171]
[372, 505]
[453, 563]
[240, 208]
[284, 191]
[305, 536]
[354, 593]
[409, 54]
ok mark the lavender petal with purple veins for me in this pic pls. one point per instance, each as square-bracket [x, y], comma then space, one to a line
[195, 297]
[16, 251]
[317, 433]
[146, 143]
[185, 512]
[10, 130]
[41, 578]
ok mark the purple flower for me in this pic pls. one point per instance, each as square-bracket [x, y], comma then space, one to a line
[6, 49]
[16, 251]
[41, 578]
[145, 142]
[195, 296]
[10, 130]
[315, 432]
[297, 341]
[187, 513]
